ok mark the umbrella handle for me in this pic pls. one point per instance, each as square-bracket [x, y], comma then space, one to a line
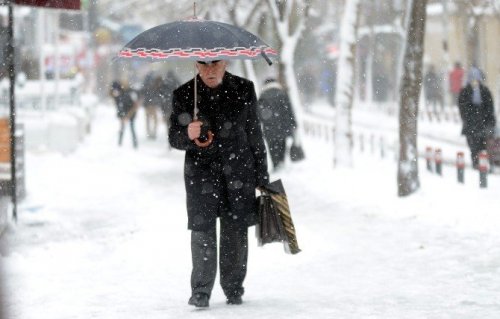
[210, 137]
[264, 55]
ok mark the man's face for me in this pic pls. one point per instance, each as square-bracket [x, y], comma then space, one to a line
[474, 83]
[211, 73]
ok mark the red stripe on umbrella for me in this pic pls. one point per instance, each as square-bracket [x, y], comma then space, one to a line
[126, 54]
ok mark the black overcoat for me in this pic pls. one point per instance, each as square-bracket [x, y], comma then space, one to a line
[125, 102]
[477, 119]
[275, 112]
[220, 180]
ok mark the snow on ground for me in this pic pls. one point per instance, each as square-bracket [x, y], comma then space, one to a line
[102, 234]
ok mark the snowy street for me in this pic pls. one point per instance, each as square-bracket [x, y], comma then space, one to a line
[103, 234]
[383, 122]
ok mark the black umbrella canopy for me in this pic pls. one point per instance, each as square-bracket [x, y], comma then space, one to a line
[197, 39]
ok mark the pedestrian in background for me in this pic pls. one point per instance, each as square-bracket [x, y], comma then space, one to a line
[328, 78]
[433, 89]
[477, 112]
[277, 118]
[126, 101]
[308, 84]
[221, 178]
[152, 101]
[456, 80]
[170, 83]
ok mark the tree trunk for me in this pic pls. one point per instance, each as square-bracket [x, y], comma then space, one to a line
[370, 59]
[408, 181]
[405, 25]
[289, 26]
[249, 71]
[345, 85]
[287, 74]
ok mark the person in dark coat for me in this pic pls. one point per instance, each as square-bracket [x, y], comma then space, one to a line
[220, 179]
[456, 81]
[433, 89]
[477, 112]
[170, 83]
[152, 101]
[126, 101]
[277, 118]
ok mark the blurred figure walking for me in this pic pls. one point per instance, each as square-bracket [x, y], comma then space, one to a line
[126, 101]
[456, 79]
[277, 118]
[152, 101]
[308, 83]
[170, 83]
[477, 112]
[433, 89]
[328, 78]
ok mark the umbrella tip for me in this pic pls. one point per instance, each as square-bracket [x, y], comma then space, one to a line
[194, 9]
[264, 55]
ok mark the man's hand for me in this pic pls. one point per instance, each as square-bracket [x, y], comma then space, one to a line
[194, 130]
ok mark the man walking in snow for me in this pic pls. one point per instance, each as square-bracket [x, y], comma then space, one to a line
[126, 101]
[278, 120]
[221, 178]
[477, 112]
[456, 80]
[432, 89]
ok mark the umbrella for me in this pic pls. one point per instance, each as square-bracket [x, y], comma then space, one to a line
[199, 40]
[275, 221]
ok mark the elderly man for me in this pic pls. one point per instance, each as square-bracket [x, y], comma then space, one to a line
[221, 178]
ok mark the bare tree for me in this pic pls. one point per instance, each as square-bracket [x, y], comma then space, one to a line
[345, 84]
[408, 180]
[289, 20]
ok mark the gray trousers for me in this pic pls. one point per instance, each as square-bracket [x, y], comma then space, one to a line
[232, 259]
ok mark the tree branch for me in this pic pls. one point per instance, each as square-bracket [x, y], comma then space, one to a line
[252, 13]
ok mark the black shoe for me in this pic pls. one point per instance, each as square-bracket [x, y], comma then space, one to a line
[199, 300]
[234, 300]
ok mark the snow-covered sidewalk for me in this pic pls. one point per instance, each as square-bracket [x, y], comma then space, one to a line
[103, 234]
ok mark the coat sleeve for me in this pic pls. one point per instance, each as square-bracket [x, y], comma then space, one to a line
[462, 103]
[490, 121]
[256, 140]
[180, 119]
